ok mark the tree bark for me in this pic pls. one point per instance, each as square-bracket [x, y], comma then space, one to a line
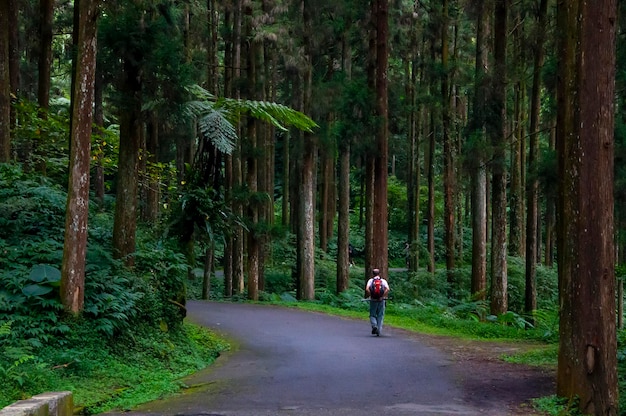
[498, 180]
[343, 223]
[430, 166]
[380, 218]
[46, 16]
[5, 85]
[125, 221]
[449, 178]
[77, 209]
[532, 184]
[477, 159]
[587, 364]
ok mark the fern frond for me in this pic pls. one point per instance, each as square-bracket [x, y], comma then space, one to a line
[5, 328]
[215, 128]
[278, 115]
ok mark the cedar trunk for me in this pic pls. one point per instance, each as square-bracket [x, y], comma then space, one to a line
[587, 365]
[448, 153]
[77, 209]
[380, 221]
[498, 179]
[125, 221]
[46, 17]
[532, 185]
[5, 85]
[478, 171]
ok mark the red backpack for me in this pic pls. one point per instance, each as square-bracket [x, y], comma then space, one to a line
[377, 289]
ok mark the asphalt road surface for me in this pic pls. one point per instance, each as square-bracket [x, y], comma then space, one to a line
[296, 363]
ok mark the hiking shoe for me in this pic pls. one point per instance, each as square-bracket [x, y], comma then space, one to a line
[374, 330]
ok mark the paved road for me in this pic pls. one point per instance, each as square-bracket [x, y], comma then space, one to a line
[296, 363]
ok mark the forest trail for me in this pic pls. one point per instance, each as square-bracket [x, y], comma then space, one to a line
[297, 363]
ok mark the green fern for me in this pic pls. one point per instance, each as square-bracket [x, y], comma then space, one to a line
[5, 328]
[217, 115]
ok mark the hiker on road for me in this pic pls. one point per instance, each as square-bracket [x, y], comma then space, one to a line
[377, 290]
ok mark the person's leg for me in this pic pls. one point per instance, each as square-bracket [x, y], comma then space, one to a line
[373, 316]
[380, 316]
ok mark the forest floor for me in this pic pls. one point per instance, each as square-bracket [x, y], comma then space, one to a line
[486, 377]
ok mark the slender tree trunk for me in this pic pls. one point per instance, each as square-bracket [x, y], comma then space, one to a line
[411, 188]
[380, 223]
[77, 209]
[449, 177]
[431, 196]
[499, 296]
[212, 46]
[5, 85]
[286, 178]
[532, 184]
[98, 185]
[477, 159]
[306, 272]
[516, 199]
[518, 144]
[343, 214]
[125, 221]
[551, 214]
[209, 257]
[239, 241]
[152, 182]
[343, 231]
[587, 365]
[253, 243]
[327, 165]
[46, 8]
[14, 50]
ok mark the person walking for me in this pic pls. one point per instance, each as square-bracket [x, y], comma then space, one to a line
[377, 290]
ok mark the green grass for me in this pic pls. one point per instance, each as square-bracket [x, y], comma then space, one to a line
[121, 375]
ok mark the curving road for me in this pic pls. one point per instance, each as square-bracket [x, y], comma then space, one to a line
[296, 363]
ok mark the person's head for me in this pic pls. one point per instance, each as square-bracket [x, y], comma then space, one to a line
[375, 272]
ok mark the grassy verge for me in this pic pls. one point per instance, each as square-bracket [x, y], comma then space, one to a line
[120, 374]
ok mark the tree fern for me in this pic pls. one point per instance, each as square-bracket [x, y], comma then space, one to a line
[217, 115]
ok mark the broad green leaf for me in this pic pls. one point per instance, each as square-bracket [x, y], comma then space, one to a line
[44, 273]
[36, 290]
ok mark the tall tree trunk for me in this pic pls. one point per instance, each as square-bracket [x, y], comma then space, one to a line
[14, 50]
[212, 46]
[587, 365]
[477, 159]
[253, 243]
[551, 213]
[98, 120]
[5, 85]
[414, 173]
[518, 148]
[343, 211]
[286, 178]
[125, 221]
[152, 193]
[327, 164]
[518, 143]
[449, 177]
[380, 221]
[77, 209]
[431, 196]
[532, 184]
[498, 180]
[343, 223]
[46, 8]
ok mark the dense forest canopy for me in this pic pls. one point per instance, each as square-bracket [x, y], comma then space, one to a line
[436, 135]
